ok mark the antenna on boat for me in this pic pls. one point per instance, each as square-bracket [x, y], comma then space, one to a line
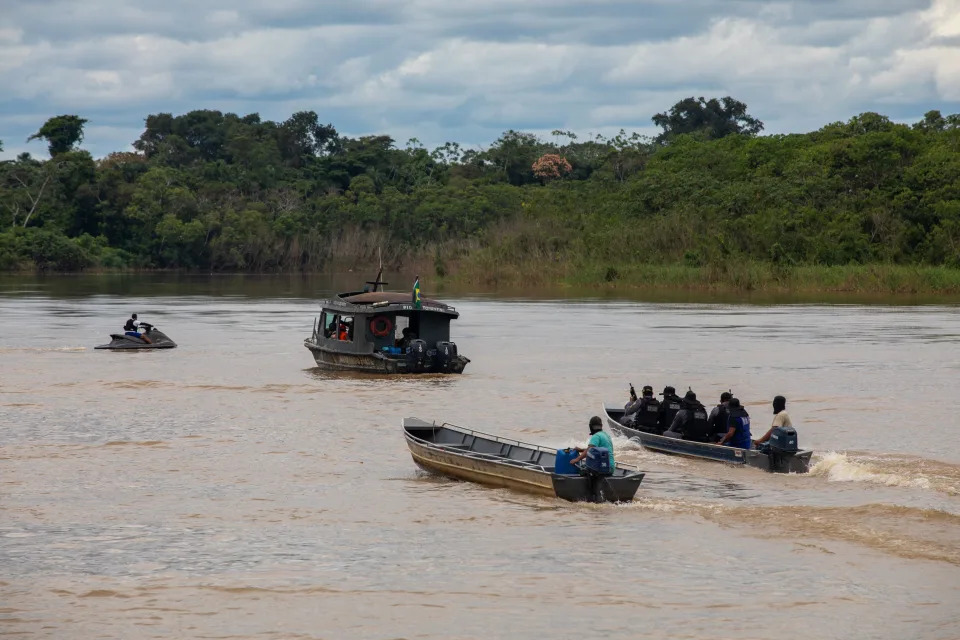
[378, 283]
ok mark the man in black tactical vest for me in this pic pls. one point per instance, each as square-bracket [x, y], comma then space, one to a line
[642, 414]
[718, 417]
[668, 408]
[690, 423]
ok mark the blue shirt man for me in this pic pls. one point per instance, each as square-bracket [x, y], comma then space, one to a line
[738, 426]
[598, 438]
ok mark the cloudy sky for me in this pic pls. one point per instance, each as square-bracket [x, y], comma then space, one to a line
[467, 70]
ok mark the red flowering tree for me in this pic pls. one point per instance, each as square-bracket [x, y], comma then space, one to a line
[551, 166]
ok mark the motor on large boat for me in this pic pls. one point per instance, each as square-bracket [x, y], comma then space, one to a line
[151, 338]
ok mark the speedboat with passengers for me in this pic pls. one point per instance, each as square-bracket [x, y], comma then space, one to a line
[380, 331]
[782, 456]
[465, 454]
[151, 338]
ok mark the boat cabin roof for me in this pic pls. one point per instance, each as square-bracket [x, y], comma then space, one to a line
[386, 301]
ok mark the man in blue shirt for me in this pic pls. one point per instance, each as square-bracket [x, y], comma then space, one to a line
[598, 438]
[738, 426]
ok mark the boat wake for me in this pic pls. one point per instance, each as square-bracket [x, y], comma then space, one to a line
[891, 471]
[907, 532]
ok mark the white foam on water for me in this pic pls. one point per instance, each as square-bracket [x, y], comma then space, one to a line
[838, 467]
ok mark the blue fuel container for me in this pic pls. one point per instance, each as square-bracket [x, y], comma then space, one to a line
[598, 460]
[563, 462]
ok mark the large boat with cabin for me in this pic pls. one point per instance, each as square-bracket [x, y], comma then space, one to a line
[380, 331]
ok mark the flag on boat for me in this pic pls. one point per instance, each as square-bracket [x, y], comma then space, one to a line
[416, 294]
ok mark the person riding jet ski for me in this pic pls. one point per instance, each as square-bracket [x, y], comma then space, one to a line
[132, 326]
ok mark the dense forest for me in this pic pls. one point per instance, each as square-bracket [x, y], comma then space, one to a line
[223, 192]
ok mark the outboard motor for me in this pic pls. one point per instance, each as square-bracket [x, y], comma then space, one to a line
[784, 440]
[598, 461]
[446, 356]
[783, 446]
[417, 360]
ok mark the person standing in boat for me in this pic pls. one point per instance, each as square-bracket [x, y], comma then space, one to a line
[598, 438]
[780, 419]
[738, 426]
[717, 421]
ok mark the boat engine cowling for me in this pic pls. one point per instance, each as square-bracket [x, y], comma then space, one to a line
[417, 360]
[598, 461]
[446, 355]
[783, 440]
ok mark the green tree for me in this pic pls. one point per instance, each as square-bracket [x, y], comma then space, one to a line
[513, 155]
[62, 133]
[714, 118]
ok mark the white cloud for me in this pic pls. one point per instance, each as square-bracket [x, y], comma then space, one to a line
[468, 71]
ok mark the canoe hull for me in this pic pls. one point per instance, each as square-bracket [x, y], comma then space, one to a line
[496, 462]
[798, 463]
[490, 474]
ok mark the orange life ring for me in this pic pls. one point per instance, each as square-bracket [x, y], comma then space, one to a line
[381, 326]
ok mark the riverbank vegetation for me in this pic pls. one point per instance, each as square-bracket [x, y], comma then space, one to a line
[866, 204]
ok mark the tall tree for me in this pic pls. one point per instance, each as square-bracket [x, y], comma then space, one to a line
[61, 133]
[514, 153]
[302, 136]
[715, 118]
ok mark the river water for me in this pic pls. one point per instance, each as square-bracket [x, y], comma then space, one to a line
[230, 489]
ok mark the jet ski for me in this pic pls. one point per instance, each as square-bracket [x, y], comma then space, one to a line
[151, 338]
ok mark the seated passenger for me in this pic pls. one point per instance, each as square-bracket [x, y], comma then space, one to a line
[780, 419]
[404, 341]
[668, 409]
[131, 329]
[717, 422]
[690, 423]
[642, 413]
[342, 332]
[738, 426]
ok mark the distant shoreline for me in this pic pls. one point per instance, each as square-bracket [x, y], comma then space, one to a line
[738, 278]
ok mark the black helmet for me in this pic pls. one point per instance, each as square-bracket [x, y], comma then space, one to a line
[690, 396]
[134, 316]
[647, 390]
[596, 424]
[726, 395]
[734, 403]
[668, 391]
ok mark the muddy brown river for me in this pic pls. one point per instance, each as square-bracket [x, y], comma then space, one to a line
[230, 489]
